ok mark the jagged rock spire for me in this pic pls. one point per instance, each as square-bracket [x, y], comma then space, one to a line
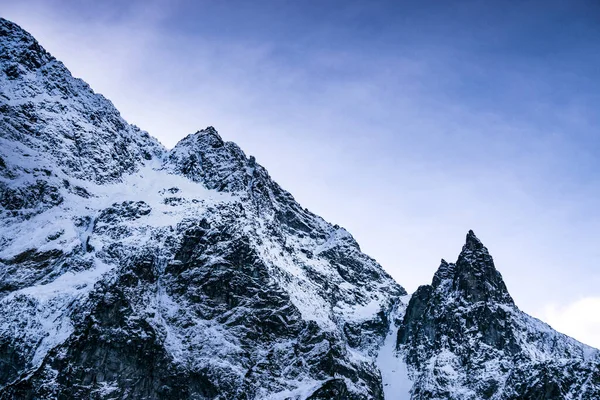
[473, 242]
[473, 277]
[476, 277]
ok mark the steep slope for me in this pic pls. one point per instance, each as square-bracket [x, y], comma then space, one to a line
[462, 337]
[130, 271]
[57, 121]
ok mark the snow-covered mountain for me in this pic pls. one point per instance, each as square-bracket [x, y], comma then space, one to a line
[462, 337]
[131, 271]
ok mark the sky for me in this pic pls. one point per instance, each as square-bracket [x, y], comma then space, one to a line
[406, 122]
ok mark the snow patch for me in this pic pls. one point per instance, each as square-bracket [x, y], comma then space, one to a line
[394, 370]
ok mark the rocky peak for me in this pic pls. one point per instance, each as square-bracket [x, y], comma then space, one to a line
[204, 157]
[19, 48]
[467, 286]
[472, 240]
[208, 138]
[476, 277]
[473, 247]
[473, 277]
[211, 131]
[463, 337]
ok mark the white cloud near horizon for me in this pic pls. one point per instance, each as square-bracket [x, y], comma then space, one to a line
[579, 319]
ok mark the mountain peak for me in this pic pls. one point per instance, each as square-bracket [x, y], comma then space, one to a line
[210, 130]
[464, 334]
[474, 248]
[205, 157]
[210, 136]
[476, 276]
[472, 241]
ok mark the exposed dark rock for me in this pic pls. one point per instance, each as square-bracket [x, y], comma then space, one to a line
[127, 210]
[31, 199]
[334, 389]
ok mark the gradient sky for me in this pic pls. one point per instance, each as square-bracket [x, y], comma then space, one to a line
[408, 123]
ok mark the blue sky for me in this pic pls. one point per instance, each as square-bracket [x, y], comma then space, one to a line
[408, 123]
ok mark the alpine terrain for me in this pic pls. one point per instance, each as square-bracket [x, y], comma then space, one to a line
[130, 271]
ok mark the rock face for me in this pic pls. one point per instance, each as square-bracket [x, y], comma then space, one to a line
[131, 271]
[463, 338]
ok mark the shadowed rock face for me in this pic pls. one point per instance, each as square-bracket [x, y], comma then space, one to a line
[463, 338]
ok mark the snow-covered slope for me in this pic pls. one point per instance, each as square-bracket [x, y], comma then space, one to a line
[131, 271]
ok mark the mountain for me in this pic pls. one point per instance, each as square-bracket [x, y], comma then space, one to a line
[463, 337]
[131, 271]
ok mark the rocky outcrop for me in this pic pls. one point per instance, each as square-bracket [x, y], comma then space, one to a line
[463, 338]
